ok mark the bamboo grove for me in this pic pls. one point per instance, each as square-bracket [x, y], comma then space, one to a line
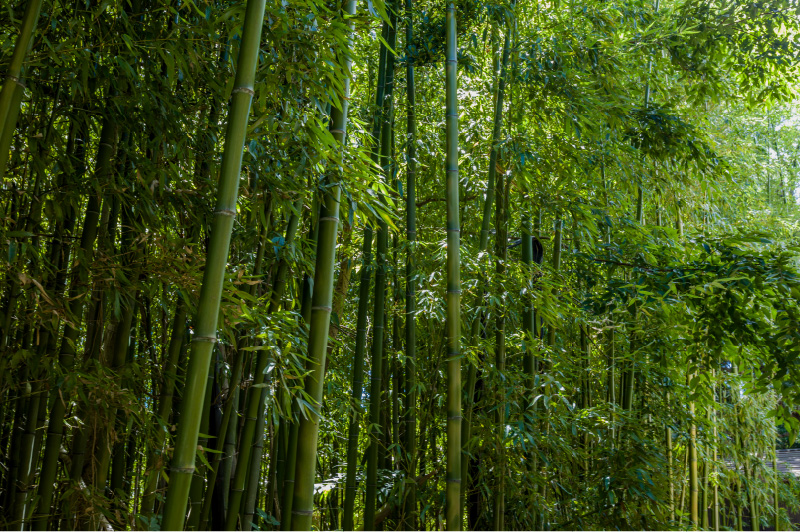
[399, 264]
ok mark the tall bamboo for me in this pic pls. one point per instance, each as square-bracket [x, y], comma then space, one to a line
[80, 276]
[557, 242]
[225, 445]
[693, 481]
[255, 401]
[291, 463]
[453, 327]
[775, 501]
[254, 475]
[409, 520]
[363, 309]
[11, 93]
[501, 252]
[322, 299]
[529, 316]
[183, 461]
[670, 470]
[466, 429]
[253, 411]
[715, 514]
[358, 382]
[379, 310]
[155, 455]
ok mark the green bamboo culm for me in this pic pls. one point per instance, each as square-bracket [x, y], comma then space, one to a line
[11, 93]
[640, 190]
[379, 310]
[501, 251]
[528, 317]
[183, 460]
[247, 510]
[254, 411]
[501, 247]
[453, 327]
[410, 417]
[255, 401]
[322, 300]
[466, 429]
[358, 382]
[55, 431]
[155, 453]
[557, 241]
[694, 512]
[363, 309]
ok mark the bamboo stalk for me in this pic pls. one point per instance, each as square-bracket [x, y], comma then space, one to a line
[501, 252]
[322, 299]
[254, 475]
[466, 428]
[155, 457]
[80, 276]
[379, 309]
[453, 325]
[693, 481]
[182, 465]
[409, 511]
[11, 93]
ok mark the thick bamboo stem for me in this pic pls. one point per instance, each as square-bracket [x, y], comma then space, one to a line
[453, 325]
[183, 461]
[322, 300]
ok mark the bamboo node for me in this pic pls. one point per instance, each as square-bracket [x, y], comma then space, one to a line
[16, 80]
[326, 309]
[189, 470]
[329, 218]
[210, 339]
[225, 212]
[454, 291]
[454, 480]
[246, 90]
[302, 512]
[340, 131]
